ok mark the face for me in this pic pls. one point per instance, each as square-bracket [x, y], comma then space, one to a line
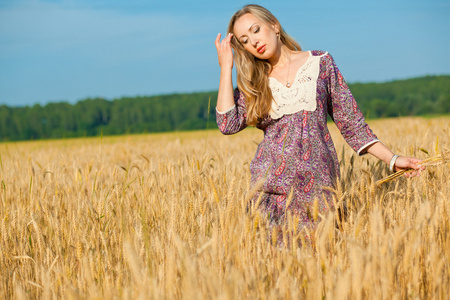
[256, 37]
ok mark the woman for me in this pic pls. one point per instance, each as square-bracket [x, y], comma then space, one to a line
[287, 93]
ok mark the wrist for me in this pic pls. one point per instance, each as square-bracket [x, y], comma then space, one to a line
[392, 162]
[226, 70]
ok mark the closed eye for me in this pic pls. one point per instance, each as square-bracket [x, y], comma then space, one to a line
[256, 30]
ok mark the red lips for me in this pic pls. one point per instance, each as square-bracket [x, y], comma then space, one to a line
[261, 49]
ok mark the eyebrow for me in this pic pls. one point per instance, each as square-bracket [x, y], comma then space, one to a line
[249, 29]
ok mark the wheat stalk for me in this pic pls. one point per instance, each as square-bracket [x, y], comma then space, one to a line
[436, 160]
[187, 226]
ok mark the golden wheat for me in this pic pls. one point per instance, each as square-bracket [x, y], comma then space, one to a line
[159, 217]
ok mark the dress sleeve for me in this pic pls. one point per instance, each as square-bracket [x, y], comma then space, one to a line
[234, 119]
[345, 112]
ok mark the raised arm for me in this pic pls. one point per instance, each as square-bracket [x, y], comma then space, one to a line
[225, 99]
[231, 110]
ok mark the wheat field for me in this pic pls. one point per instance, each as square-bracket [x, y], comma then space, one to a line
[163, 216]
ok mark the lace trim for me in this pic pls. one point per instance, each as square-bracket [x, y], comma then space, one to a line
[224, 112]
[301, 95]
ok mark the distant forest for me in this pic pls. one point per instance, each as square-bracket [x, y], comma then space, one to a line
[425, 96]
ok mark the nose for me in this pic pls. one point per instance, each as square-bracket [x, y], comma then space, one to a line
[254, 41]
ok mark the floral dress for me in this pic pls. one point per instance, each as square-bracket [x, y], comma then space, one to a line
[297, 153]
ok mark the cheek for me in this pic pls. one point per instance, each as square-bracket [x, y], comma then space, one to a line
[274, 38]
[269, 33]
[249, 48]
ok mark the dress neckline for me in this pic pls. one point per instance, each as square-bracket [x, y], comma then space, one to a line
[296, 73]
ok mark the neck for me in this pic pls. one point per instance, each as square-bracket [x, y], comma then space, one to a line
[280, 57]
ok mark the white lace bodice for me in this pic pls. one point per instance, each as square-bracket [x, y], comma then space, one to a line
[302, 93]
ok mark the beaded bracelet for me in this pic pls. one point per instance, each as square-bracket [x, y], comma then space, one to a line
[392, 163]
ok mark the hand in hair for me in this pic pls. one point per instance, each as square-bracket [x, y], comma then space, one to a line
[224, 51]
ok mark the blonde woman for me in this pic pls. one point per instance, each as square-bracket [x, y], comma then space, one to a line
[287, 93]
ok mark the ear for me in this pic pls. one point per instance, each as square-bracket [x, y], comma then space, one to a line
[276, 28]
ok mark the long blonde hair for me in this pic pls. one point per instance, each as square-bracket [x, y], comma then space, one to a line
[253, 73]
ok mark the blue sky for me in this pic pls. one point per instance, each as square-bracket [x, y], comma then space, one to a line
[68, 50]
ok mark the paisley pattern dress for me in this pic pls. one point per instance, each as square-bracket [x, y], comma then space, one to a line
[297, 152]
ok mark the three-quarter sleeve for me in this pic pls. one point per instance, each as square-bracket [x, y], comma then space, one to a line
[345, 112]
[235, 118]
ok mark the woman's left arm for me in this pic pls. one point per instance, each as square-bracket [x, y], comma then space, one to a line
[383, 153]
[350, 121]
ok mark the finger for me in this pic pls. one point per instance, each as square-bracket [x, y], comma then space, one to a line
[412, 162]
[414, 166]
[230, 35]
[415, 160]
[419, 167]
[410, 174]
[415, 173]
[217, 41]
[417, 163]
[226, 40]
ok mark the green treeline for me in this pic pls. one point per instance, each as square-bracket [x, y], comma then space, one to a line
[412, 97]
[90, 117]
